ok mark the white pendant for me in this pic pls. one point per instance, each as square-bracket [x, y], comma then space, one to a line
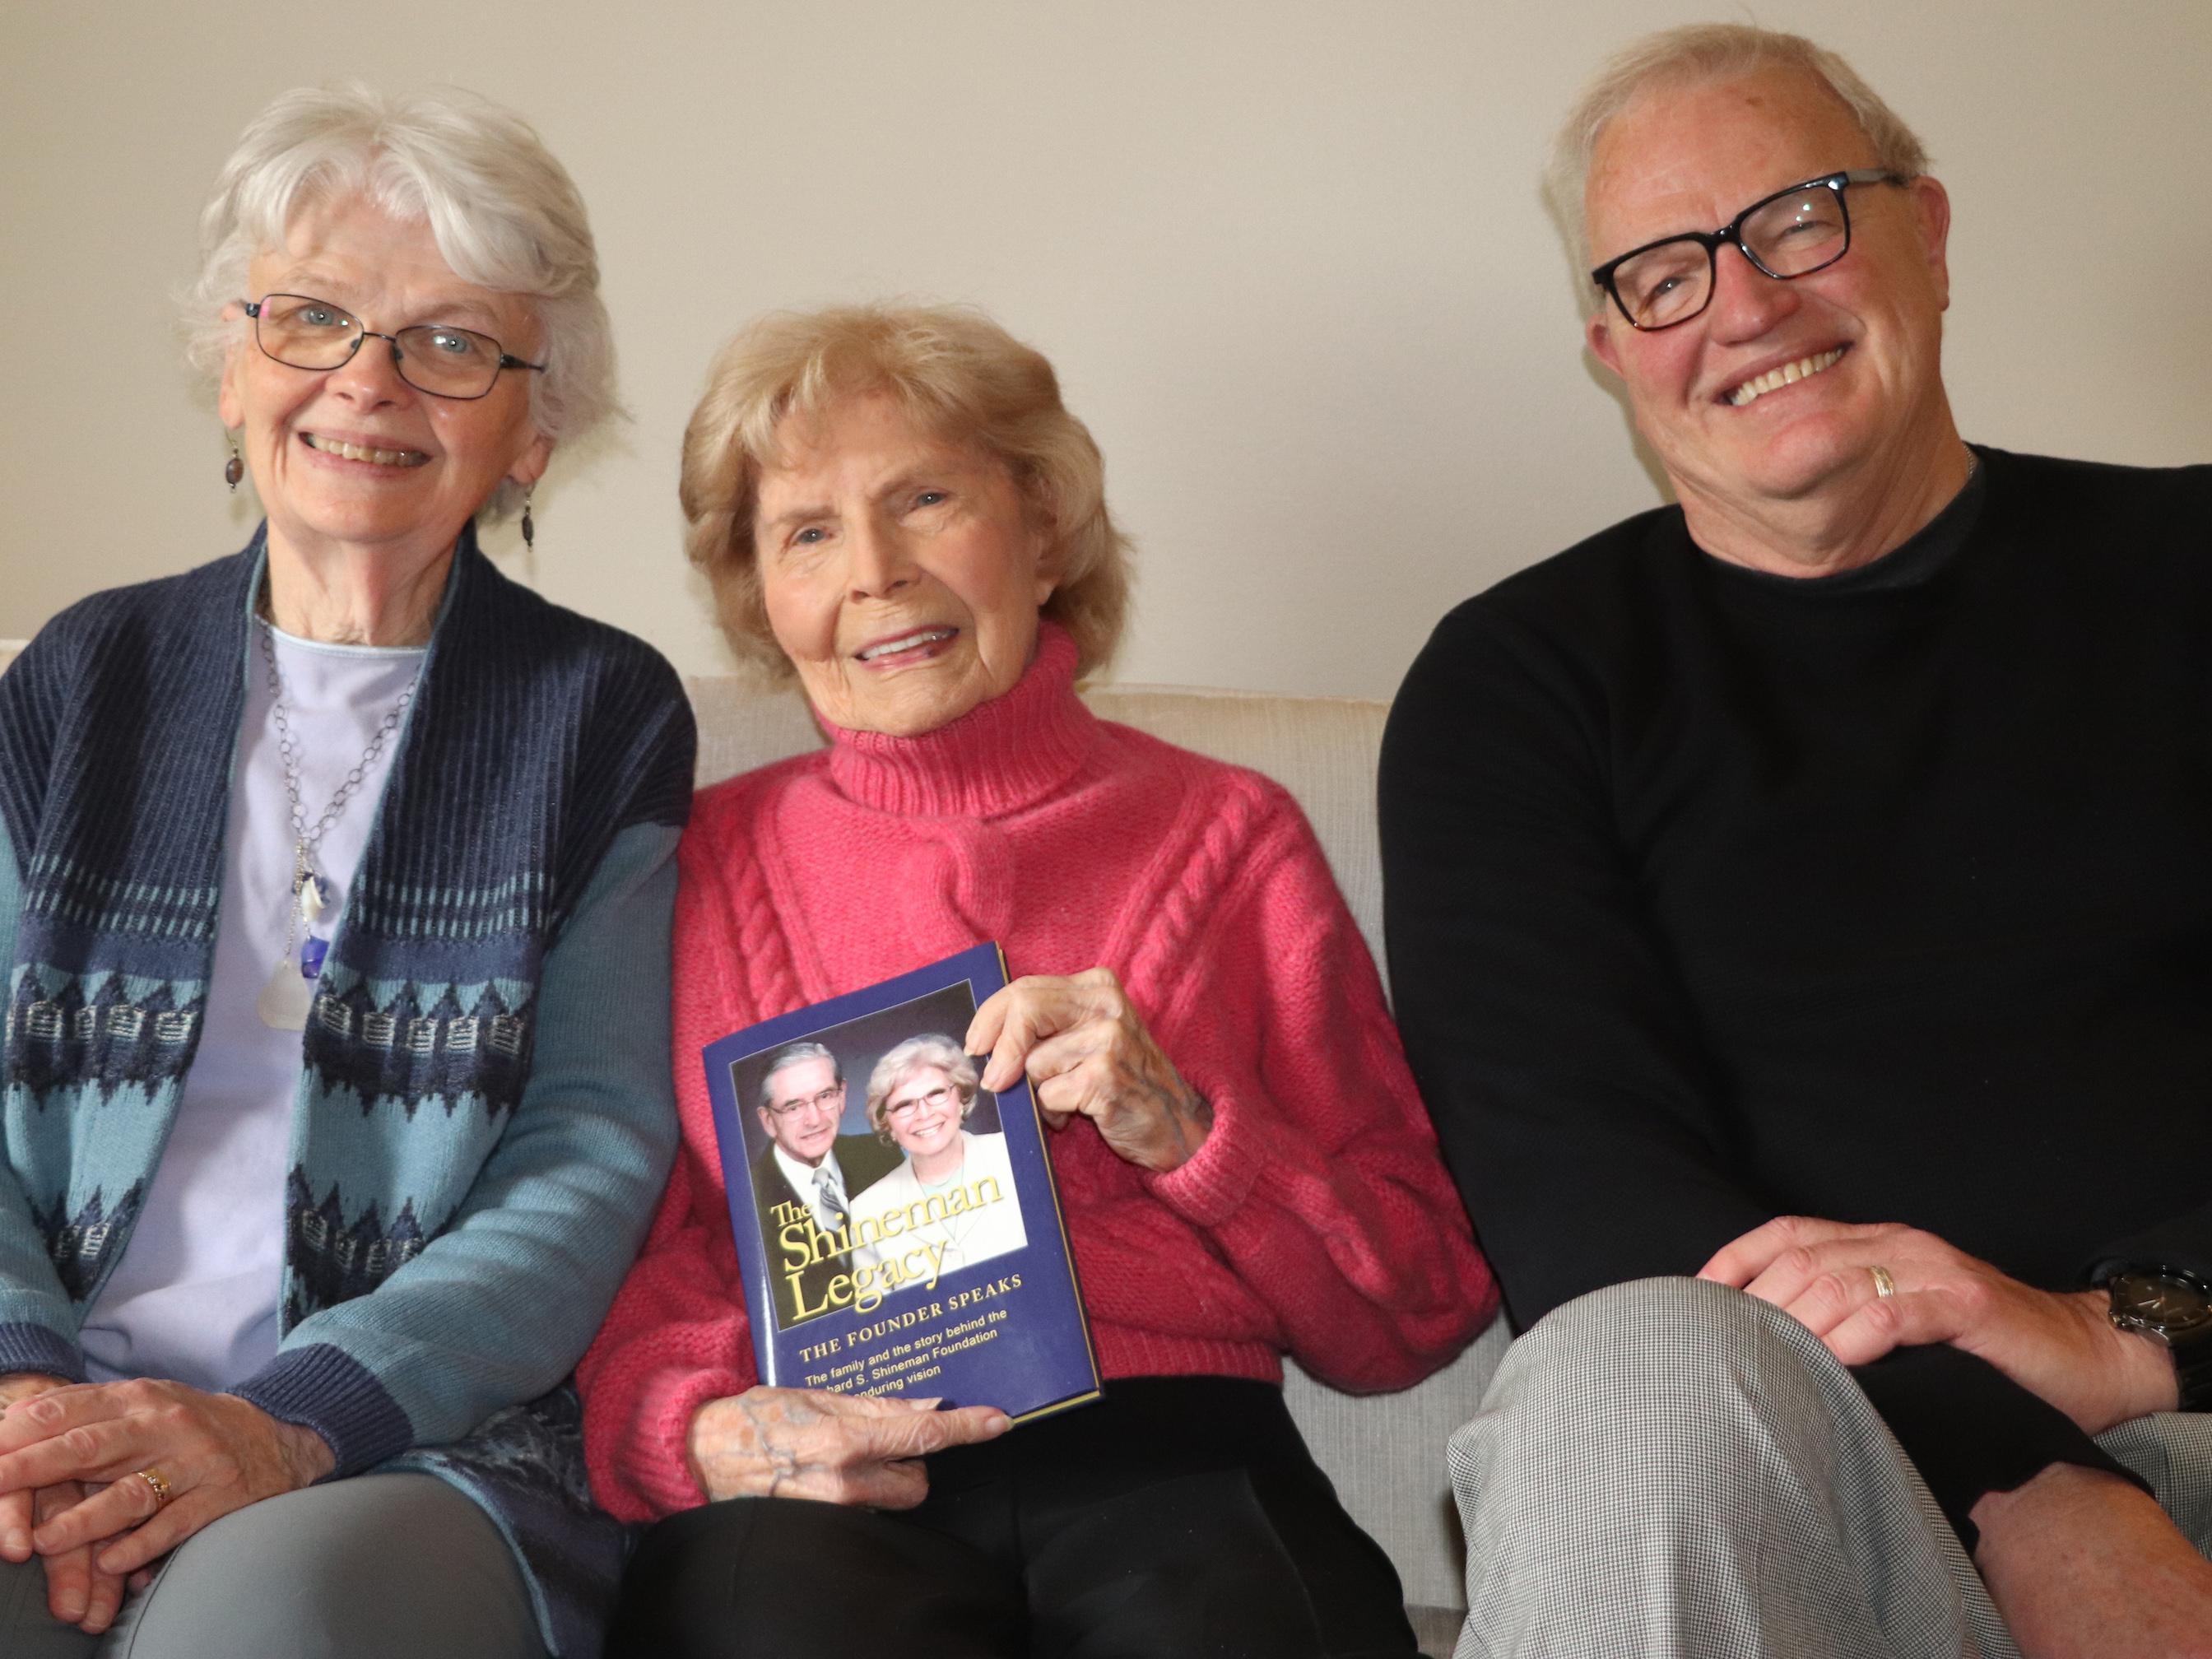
[286, 998]
[312, 902]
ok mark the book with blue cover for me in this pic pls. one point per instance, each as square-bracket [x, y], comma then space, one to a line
[898, 1223]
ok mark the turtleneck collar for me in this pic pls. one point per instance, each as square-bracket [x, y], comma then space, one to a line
[998, 757]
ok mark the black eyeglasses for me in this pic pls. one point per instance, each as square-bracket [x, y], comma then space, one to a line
[301, 332]
[1792, 232]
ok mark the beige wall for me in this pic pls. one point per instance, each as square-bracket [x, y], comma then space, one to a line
[1289, 257]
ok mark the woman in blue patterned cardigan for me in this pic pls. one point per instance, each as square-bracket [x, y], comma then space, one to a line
[335, 883]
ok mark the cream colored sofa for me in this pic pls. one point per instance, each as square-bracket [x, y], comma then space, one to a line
[1385, 1452]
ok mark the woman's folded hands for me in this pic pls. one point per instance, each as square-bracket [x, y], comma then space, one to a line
[77, 1591]
[157, 1461]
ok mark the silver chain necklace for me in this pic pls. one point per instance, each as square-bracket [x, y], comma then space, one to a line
[285, 1000]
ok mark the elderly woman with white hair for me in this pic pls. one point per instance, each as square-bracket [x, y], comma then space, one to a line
[896, 509]
[921, 1096]
[335, 885]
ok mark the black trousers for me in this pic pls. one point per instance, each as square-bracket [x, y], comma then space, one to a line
[1176, 1515]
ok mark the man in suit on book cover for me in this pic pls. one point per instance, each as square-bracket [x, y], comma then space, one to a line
[807, 1163]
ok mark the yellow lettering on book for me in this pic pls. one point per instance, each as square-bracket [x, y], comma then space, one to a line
[864, 1287]
[803, 1243]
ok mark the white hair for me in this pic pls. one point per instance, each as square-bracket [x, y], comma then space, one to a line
[505, 215]
[1701, 54]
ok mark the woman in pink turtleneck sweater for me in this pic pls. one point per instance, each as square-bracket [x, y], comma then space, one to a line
[895, 503]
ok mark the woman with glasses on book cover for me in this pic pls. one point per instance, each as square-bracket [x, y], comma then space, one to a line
[335, 886]
[953, 1190]
[896, 509]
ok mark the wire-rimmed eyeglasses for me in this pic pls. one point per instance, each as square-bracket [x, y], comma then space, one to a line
[936, 1099]
[823, 1101]
[301, 331]
[1791, 234]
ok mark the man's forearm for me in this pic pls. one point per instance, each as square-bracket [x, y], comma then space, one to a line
[2081, 1564]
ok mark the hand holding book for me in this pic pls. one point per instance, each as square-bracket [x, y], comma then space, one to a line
[835, 1448]
[1086, 1051]
[900, 1236]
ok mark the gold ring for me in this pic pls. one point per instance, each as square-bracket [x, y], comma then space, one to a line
[155, 1485]
[1884, 1287]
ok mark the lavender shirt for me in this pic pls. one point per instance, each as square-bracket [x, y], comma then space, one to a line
[195, 1296]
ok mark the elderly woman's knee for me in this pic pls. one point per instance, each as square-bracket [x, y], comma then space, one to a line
[377, 1563]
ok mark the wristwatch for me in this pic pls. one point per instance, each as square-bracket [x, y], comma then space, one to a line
[2175, 1306]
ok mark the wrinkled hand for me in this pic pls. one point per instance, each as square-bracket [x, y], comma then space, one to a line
[16, 1507]
[1086, 1051]
[799, 1443]
[77, 1592]
[2062, 1346]
[217, 1452]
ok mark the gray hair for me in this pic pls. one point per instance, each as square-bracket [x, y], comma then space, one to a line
[791, 1054]
[918, 1054]
[1701, 54]
[505, 213]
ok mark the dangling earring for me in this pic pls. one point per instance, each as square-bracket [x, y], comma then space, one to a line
[233, 469]
[529, 530]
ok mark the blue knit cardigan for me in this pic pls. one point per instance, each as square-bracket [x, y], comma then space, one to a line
[484, 1115]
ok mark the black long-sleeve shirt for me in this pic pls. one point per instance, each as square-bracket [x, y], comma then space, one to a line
[1713, 896]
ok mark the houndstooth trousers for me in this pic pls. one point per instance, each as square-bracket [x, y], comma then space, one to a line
[1671, 1468]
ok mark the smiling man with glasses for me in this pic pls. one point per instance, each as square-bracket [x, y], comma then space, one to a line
[807, 1162]
[1799, 925]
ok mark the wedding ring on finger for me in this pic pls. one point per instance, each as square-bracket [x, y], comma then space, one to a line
[1884, 1287]
[155, 1484]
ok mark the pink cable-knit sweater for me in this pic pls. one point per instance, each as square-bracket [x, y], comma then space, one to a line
[1315, 1219]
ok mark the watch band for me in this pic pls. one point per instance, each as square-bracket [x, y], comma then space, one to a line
[2193, 1371]
[2142, 1298]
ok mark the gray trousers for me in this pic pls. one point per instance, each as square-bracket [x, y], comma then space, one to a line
[361, 1569]
[1672, 1467]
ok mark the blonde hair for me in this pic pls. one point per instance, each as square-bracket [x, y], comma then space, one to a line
[1701, 54]
[957, 375]
[506, 216]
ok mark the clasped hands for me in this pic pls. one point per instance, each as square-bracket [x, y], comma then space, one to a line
[70, 1456]
[2060, 1345]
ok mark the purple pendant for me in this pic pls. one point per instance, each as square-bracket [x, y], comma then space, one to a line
[312, 952]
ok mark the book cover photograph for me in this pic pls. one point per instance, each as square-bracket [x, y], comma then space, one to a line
[897, 1223]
